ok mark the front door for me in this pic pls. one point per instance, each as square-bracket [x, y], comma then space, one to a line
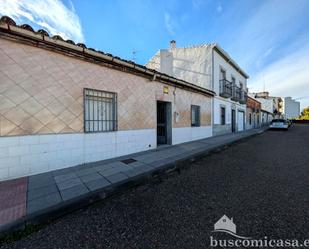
[164, 123]
[240, 123]
[233, 120]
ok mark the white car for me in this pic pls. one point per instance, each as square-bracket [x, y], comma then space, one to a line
[279, 124]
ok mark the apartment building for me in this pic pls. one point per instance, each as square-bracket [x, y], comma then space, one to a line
[209, 67]
[63, 104]
[291, 108]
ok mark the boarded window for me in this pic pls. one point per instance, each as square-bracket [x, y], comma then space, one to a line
[100, 111]
[195, 115]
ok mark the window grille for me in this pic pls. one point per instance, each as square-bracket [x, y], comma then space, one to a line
[100, 111]
[222, 115]
[195, 115]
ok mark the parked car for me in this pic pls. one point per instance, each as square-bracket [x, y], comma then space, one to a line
[279, 124]
[290, 122]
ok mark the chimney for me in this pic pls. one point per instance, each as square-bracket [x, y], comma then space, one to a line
[172, 44]
[232, 219]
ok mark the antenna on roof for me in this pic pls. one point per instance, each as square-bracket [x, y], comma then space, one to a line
[134, 52]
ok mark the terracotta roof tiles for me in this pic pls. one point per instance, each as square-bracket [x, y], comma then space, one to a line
[141, 68]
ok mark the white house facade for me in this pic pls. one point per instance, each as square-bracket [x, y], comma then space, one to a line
[269, 106]
[210, 67]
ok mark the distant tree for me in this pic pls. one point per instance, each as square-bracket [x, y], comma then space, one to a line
[304, 114]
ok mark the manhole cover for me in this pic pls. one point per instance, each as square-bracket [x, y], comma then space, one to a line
[128, 161]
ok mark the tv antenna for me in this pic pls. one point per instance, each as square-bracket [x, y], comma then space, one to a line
[134, 52]
[263, 82]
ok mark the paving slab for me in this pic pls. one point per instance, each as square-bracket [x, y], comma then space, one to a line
[116, 164]
[41, 180]
[65, 177]
[133, 172]
[103, 167]
[97, 184]
[63, 171]
[39, 192]
[69, 183]
[144, 168]
[85, 171]
[116, 178]
[73, 192]
[109, 172]
[91, 177]
[162, 162]
[13, 197]
[43, 202]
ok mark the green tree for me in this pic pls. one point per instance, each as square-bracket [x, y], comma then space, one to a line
[304, 114]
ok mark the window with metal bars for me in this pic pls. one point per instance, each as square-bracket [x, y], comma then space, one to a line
[222, 115]
[100, 111]
[195, 115]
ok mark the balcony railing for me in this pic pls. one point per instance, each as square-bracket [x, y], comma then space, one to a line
[225, 88]
[230, 90]
[243, 97]
[236, 93]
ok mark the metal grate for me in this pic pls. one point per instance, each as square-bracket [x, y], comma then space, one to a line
[225, 88]
[100, 111]
[195, 115]
[222, 115]
[128, 161]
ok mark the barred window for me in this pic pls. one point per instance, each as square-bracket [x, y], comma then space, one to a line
[222, 115]
[100, 111]
[195, 115]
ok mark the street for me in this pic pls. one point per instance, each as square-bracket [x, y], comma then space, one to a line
[262, 182]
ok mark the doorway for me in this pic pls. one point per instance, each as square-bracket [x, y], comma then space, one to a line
[164, 123]
[233, 120]
[241, 120]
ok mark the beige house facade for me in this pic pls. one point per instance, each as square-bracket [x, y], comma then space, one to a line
[210, 67]
[63, 104]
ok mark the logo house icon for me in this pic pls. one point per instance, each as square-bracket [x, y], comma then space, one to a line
[225, 224]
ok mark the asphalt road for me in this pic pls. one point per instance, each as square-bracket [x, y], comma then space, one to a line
[262, 182]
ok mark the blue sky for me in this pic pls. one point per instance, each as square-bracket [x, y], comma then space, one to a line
[268, 39]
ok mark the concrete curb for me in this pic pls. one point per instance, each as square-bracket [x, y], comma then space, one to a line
[46, 215]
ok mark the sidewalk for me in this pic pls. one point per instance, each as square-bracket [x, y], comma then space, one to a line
[39, 198]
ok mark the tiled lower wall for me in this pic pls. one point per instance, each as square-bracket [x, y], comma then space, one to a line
[219, 129]
[28, 155]
[186, 134]
[33, 154]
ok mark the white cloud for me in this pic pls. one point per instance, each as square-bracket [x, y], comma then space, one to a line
[168, 23]
[51, 15]
[270, 25]
[272, 52]
[288, 76]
